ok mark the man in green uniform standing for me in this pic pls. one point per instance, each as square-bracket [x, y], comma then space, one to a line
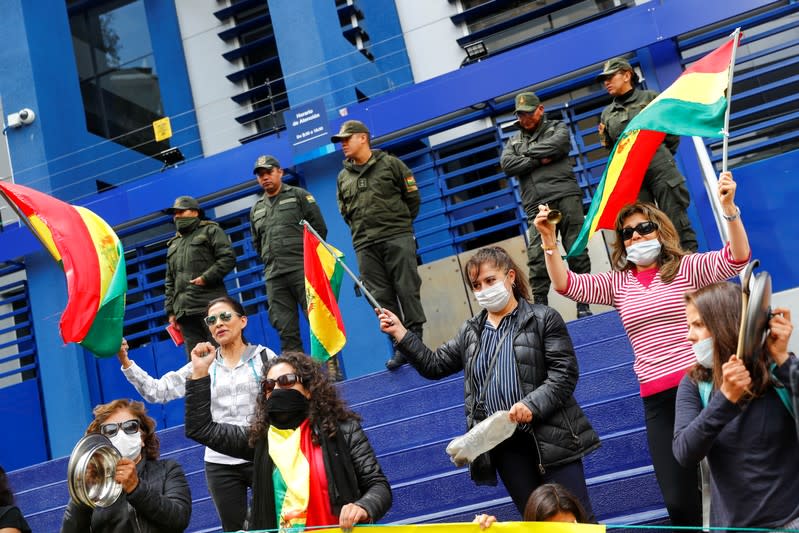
[277, 237]
[662, 181]
[198, 258]
[378, 198]
[539, 155]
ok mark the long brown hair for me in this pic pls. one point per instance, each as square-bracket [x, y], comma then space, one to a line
[6, 494]
[719, 306]
[670, 250]
[501, 260]
[326, 409]
[103, 412]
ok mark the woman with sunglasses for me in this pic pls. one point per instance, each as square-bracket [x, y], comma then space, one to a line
[314, 465]
[517, 357]
[155, 493]
[651, 274]
[737, 413]
[236, 368]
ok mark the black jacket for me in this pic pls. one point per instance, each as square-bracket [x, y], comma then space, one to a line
[160, 503]
[353, 473]
[547, 370]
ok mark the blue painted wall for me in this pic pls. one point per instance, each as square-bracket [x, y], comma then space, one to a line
[319, 62]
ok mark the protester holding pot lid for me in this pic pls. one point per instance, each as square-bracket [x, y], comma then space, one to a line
[155, 493]
[742, 420]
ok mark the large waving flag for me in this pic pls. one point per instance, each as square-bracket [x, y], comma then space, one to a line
[695, 104]
[93, 261]
[322, 283]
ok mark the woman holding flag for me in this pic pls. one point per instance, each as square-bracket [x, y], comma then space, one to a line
[651, 274]
[313, 464]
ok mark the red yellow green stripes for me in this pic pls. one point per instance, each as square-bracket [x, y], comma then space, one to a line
[695, 104]
[93, 261]
[323, 275]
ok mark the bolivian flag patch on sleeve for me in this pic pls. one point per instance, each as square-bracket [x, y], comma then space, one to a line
[310, 199]
[410, 184]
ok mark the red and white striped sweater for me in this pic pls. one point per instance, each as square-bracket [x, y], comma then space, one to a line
[654, 316]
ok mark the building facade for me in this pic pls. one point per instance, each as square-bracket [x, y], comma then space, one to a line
[233, 76]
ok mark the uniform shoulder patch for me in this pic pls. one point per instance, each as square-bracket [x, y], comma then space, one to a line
[310, 199]
[410, 184]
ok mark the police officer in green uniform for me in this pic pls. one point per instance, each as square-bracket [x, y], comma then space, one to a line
[378, 198]
[277, 237]
[663, 182]
[539, 155]
[198, 258]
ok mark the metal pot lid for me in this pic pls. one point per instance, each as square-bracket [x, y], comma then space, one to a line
[758, 312]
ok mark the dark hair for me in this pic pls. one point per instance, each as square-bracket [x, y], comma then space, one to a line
[104, 411]
[6, 495]
[670, 251]
[550, 499]
[500, 259]
[719, 306]
[326, 409]
[235, 304]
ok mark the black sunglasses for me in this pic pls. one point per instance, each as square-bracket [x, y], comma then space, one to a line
[131, 427]
[644, 228]
[224, 316]
[286, 380]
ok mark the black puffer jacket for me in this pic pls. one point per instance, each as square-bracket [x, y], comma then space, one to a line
[353, 473]
[547, 370]
[161, 502]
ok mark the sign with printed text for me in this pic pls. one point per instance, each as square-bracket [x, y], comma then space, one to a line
[162, 129]
[309, 130]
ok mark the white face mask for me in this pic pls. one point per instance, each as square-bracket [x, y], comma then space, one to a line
[128, 445]
[644, 253]
[493, 298]
[704, 352]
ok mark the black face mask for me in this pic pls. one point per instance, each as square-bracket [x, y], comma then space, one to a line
[186, 225]
[287, 408]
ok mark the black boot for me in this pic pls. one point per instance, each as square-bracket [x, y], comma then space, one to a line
[396, 361]
[583, 310]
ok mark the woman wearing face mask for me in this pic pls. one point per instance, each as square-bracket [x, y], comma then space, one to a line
[741, 423]
[313, 464]
[515, 356]
[651, 274]
[155, 494]
[236, 369]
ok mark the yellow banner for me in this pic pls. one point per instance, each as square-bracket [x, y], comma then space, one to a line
[498, 527]
[162, 129]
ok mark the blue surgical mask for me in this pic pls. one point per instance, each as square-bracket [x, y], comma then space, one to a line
[644, 253]
[704, 352]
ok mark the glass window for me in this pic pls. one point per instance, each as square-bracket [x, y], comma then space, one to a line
[116, 68]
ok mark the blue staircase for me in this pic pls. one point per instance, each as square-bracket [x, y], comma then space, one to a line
[410, 420]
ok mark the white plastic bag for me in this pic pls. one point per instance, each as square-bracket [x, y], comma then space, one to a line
[481, 438]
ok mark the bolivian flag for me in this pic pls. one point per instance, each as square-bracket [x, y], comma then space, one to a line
[323, 276]
[694, 104]
[93, 261]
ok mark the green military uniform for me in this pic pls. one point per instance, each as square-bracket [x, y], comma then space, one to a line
[201, 250]
[379, 201]
[662, 181]
[551, 183]
[278, 238]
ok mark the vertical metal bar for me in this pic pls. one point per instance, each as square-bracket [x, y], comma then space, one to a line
[724, 147]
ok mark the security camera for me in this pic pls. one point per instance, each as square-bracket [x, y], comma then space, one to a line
[27, 116]
[21, 118]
